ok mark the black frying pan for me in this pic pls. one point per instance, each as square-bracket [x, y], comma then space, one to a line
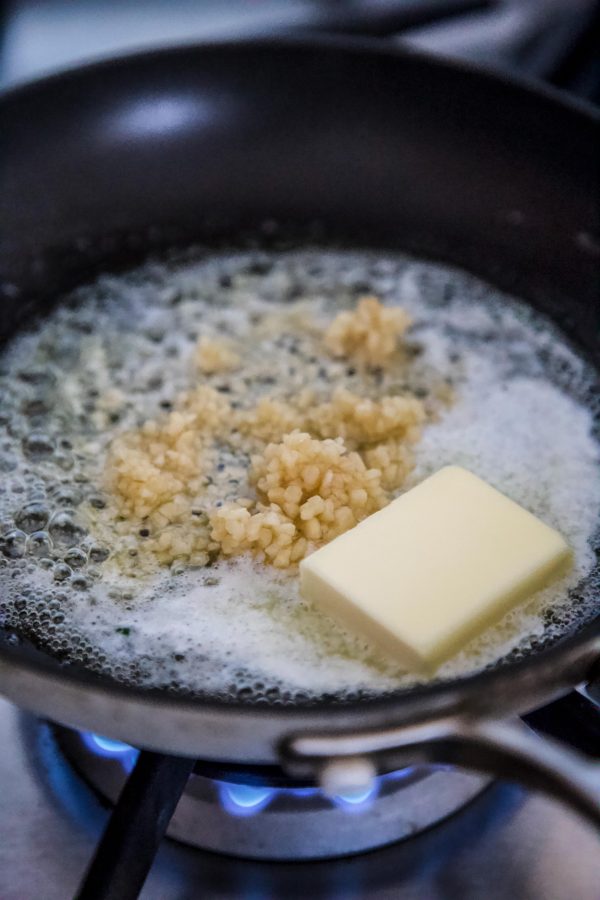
[343, 141]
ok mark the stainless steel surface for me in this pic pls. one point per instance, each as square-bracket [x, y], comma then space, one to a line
[504, 845]
[44, 37]
[503, 747]
[513, 34]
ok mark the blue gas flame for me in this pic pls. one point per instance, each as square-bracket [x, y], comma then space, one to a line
[247, 799]
[244, 799]
[357, 800]
[110, 749]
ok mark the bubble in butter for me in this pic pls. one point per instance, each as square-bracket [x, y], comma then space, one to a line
[435, 568]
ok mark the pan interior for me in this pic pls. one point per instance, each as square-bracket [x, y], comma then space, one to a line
[513, 401]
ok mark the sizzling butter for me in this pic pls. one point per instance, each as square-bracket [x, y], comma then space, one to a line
[435, 568]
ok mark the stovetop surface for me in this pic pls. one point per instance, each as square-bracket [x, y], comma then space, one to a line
[505, 844]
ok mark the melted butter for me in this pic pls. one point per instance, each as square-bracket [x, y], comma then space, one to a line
[522, 416]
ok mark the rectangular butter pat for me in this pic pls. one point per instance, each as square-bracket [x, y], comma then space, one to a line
[436, 567]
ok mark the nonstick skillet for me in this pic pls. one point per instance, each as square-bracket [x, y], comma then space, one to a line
[319, 139]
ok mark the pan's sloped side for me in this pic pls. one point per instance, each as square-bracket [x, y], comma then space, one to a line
[382, 147]
[99, 166]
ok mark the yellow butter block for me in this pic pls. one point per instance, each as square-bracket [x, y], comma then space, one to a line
[435, 568]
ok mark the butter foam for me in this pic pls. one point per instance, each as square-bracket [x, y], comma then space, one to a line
[523, 418]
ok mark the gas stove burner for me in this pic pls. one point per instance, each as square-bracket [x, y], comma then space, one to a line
[258, 816]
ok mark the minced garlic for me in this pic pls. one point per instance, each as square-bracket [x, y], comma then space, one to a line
[361, 421]
[307, 479]
[393, 459]
[269, 420]
[213, 356]
[318, 464]
[369, 334]
[391, 423]
[309, 492]
[155, 473]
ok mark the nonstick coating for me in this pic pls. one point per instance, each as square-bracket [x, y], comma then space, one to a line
[327, 140]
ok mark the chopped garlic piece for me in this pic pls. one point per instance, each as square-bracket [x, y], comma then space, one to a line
[369, 334]
[213, 356]
[310, 491]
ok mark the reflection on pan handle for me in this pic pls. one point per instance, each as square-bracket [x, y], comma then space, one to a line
[591, 692]
[507, 749]
[573, 719]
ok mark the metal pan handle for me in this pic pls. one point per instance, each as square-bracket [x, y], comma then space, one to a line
[507, 749]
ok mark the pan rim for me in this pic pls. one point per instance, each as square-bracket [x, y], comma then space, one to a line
[306, 41]
[484, 679]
